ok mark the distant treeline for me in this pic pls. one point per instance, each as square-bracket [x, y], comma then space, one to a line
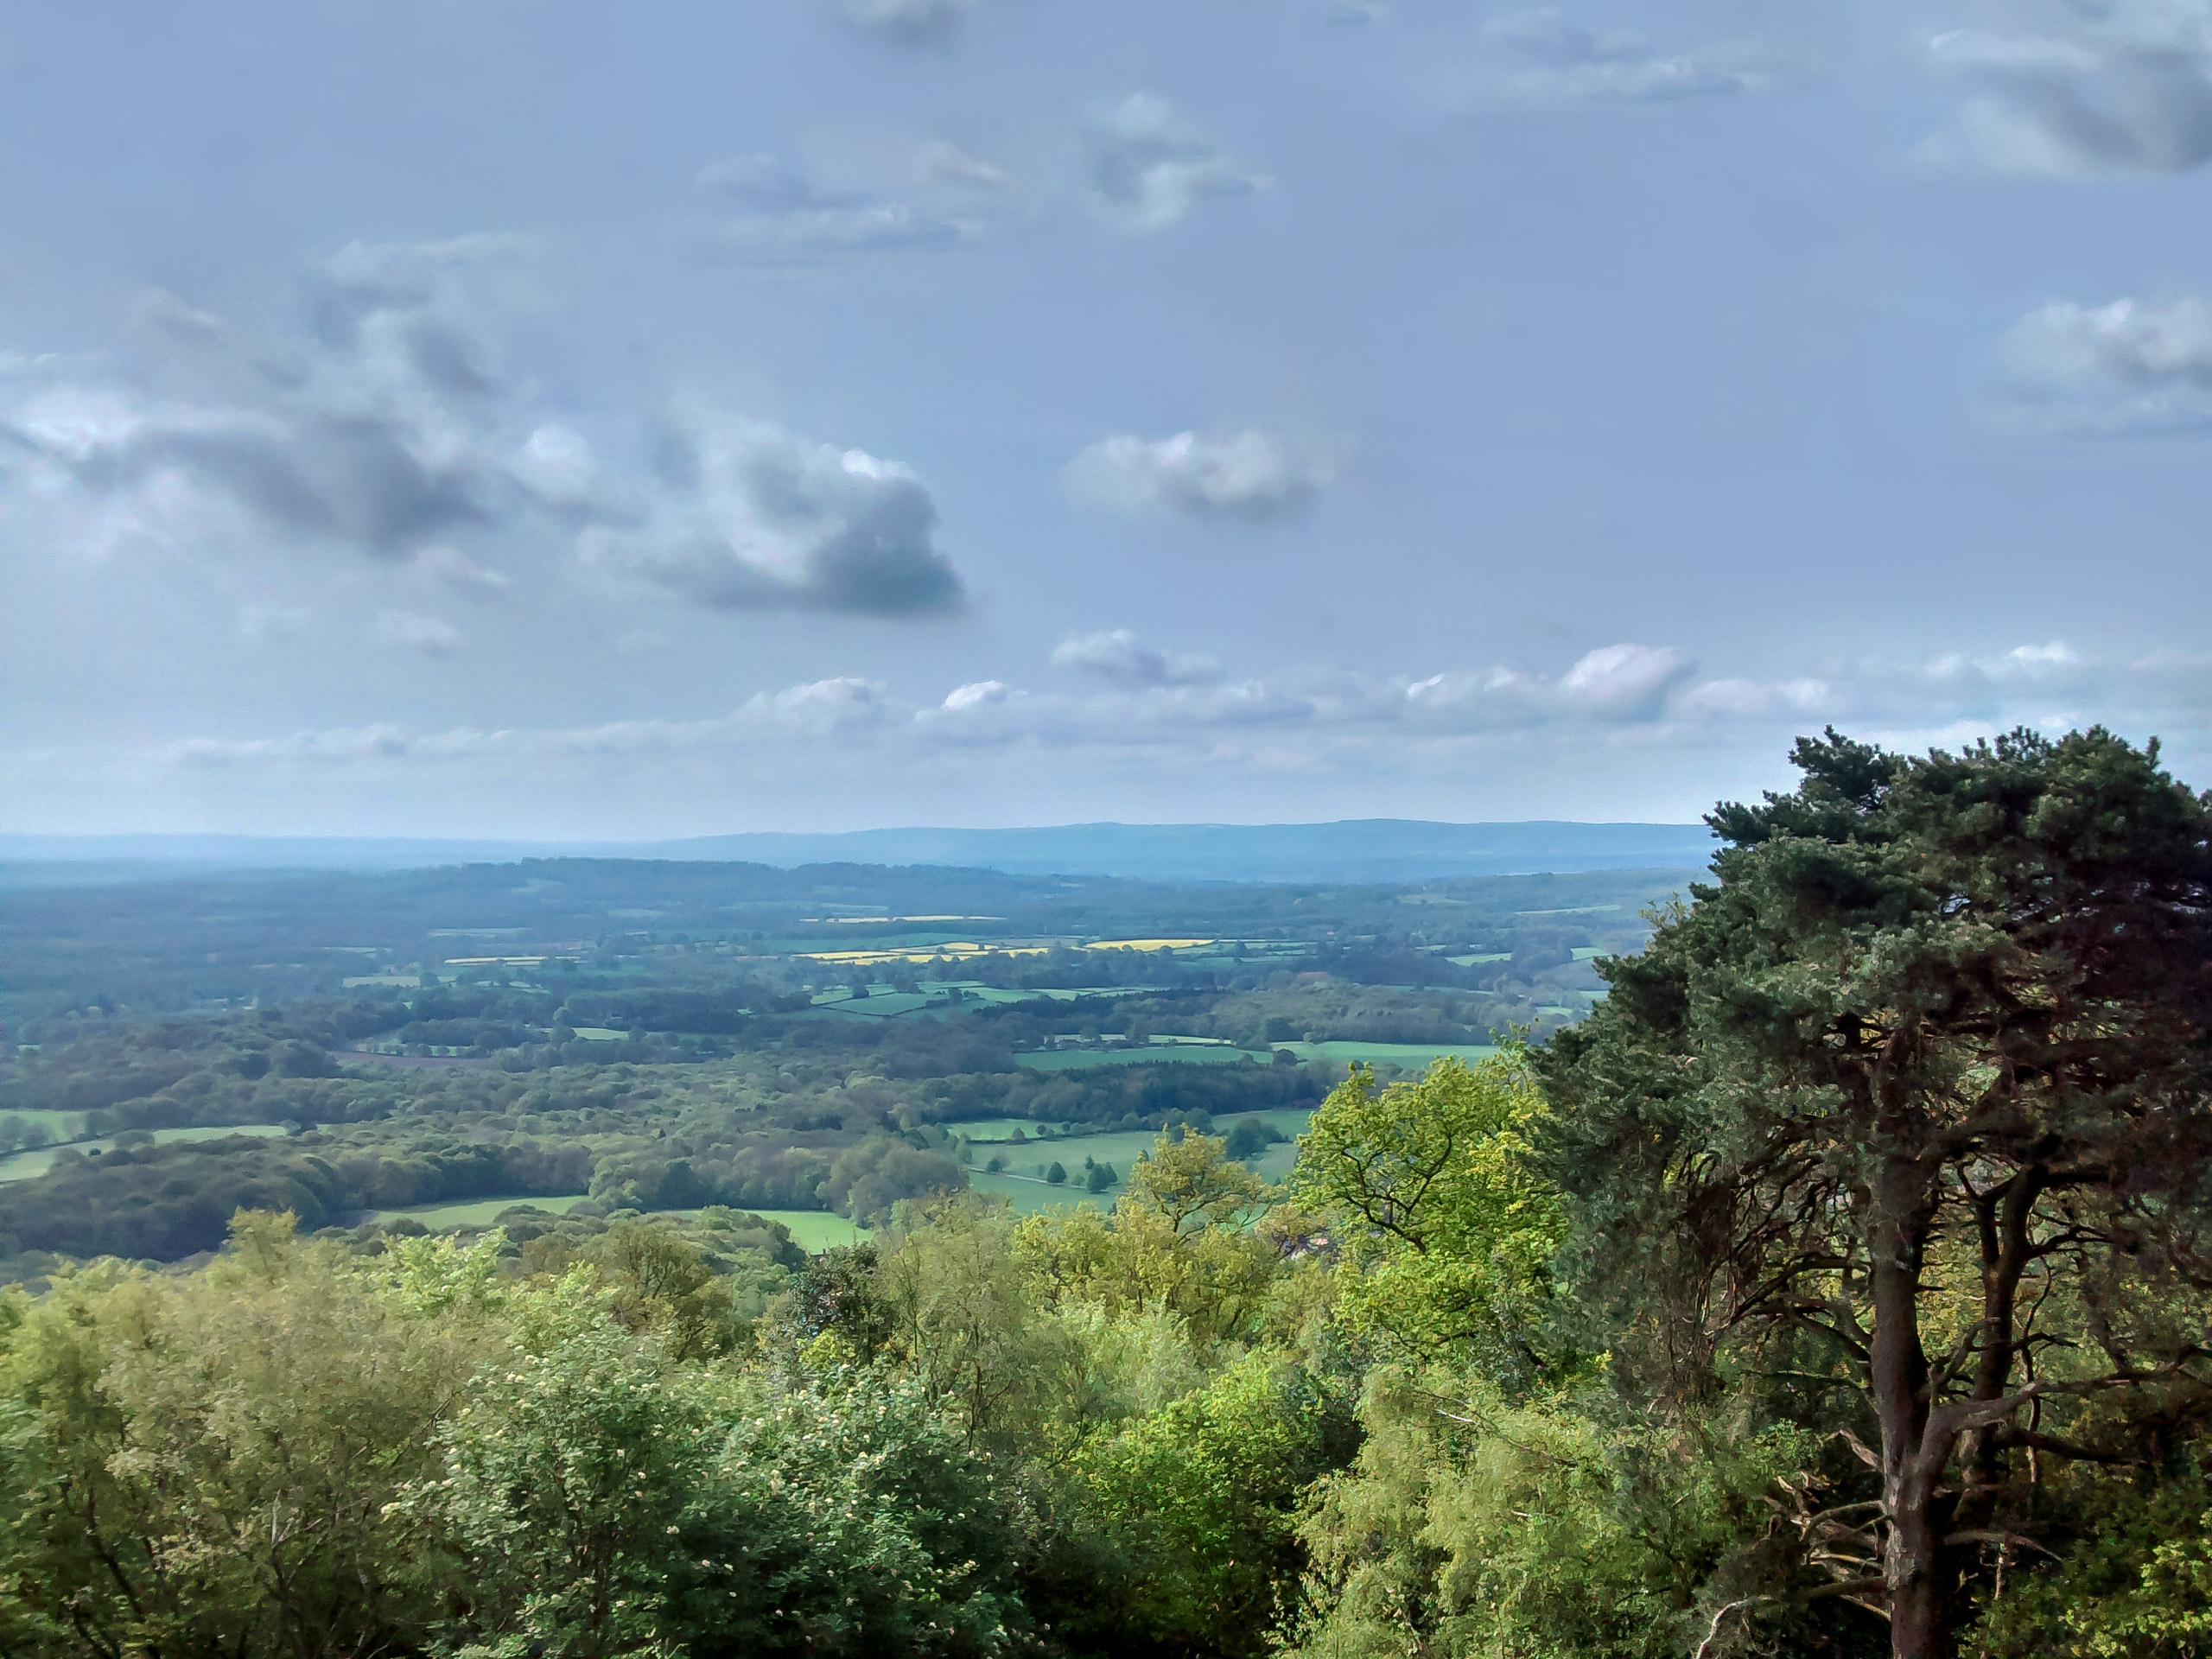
[165, 1202]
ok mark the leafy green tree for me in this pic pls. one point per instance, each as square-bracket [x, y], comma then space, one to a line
[965, 1324]
[662, 1284]
[1477, 1526]
[869, 1179]
[1194, 1505]
[1446, 1230]
[569, 1478]
[203, 1466]
[1907, 1114]
[1190, 1180]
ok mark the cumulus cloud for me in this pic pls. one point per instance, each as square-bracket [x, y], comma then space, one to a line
[1119, 658]
[756, 518]
[780, 214]
[1615, 683]
[908, 22]
[2128, 341]
[2131, 367]
[977, 693]
[821, 708]
[392, 427]
[1148, 166]
[1250, 474]
[2120, 86]
[375, 432]
[1546, 57]
[557, 465]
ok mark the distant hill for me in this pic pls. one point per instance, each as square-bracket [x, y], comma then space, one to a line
[1356, 849]
[1353, 850]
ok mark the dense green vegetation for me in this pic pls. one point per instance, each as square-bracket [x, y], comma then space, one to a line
[724, 1055]
[1840, 1285]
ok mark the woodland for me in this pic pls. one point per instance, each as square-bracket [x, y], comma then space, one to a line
[1835, 1278]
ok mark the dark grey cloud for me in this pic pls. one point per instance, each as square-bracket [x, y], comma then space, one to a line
[772, 521]
[378, 433]
[395, 432]
[2083, 89]
[352, 480]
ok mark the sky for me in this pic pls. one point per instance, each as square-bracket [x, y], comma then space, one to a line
[535, 418]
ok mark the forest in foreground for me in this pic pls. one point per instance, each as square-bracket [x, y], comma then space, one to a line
[1837, 1284]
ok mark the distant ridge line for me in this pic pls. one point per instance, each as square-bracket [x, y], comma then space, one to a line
[1351, 849]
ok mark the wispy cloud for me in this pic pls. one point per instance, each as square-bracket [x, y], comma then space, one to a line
[1546, 57]
[426, 636]
[1148, 166]
[908, 23]
[780, 214]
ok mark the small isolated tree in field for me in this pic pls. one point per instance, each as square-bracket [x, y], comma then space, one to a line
[1908, 1114]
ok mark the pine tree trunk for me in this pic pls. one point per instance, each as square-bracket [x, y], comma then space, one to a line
[1911, 1470]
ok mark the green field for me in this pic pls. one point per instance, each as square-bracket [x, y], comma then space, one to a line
[815, 1230]
[24, 1165]
[60, 1125]
[1029, 1196]
[1026, 1158]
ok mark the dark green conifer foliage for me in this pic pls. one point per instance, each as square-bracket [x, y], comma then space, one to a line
[1906, 1117]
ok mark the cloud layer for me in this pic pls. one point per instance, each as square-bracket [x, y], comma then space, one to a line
[1152, 704]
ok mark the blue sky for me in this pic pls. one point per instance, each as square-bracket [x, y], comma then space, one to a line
[490, 417]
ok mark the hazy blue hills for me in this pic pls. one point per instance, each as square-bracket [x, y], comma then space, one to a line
[1360, 849]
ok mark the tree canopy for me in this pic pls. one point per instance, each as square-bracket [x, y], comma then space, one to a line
[1912, 1103]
